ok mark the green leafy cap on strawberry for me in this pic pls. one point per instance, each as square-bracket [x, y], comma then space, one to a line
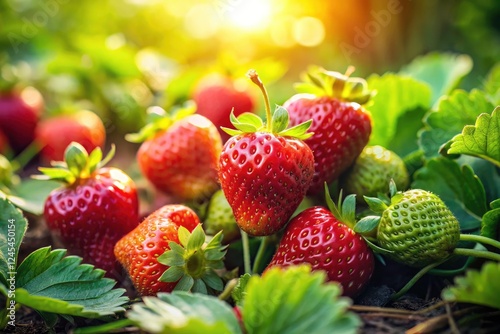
[77, 164]
[193, 262]
[159, 120]
[276, 123]
[344, 210]
[321, 82]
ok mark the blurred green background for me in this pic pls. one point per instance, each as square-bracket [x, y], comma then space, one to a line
[117, 57]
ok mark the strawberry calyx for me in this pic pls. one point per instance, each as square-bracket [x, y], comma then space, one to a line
[321, 82]
[78, 164]
[276, 122]
[159, 120]
[193, 262]
[344, 210]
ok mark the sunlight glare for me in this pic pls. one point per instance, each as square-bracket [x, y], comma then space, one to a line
[250, 14]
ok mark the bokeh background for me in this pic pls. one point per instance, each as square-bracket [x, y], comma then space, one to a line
[120, 56]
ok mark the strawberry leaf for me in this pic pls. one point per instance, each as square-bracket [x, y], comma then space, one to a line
[196, 240]
[458, 187]
[298, 131]
[491, 220]
[250, 118]
[181, 312]
[314, 307]
[49, 281]
[449, 117]
[239, 291]
[13, 226]
[477, 287]
[280, 119]
[396, 95]
[442, 71]
[481, 140]
[492, 84]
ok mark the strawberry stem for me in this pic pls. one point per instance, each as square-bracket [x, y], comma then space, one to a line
[415, 279]
[254, 77]
[246, 253]
[260, 254]
[477, 253]
[480, 239]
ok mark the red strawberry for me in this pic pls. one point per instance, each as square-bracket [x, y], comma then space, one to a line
[179, 155]
[216, 96]
[161, 255]
[56, 133]
[94, 209]
[341, 126]
[264, 171]
[19, 114]
[4, 142]
[323, 239]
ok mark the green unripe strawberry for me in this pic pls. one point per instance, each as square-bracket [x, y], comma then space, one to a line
[417, 228]
[372, 171]
[220, 217]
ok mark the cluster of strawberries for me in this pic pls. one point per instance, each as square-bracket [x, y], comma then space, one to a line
[264, 170]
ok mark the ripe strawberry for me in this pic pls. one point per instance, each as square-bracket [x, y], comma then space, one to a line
[95, 207]
[341, 126]
[417, 228]
[179, 154]
[161, 255]
[372, 171]
[56, 133]
[219, 217]
[325, 240]
[265, 169]
[216, 96]
[19, 114]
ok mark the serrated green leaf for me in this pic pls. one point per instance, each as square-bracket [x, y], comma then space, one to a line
[51, 282]
[313, 307]
[239, 291]
[441, 71]
[477, 287]
[298, 131]
[184, 313]
[30, 194]
[367, 224]
[172, 274]
[458, 187]
[280, 119]
[196, 240]
[13, 226]
[481, 140]
[492, 84]
[449, 117]
[396, 95]
[491, 221]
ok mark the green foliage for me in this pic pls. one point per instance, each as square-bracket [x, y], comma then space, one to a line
[491, 221]
[294, 300]
[481, 140]
[395, 96]
[442, 71]
[477, 287]
[239, 292]
[52, 282]
[182, 312]
[458, 187]
[13, 226]
[30, 194]
[448, 119]
[492, 84]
